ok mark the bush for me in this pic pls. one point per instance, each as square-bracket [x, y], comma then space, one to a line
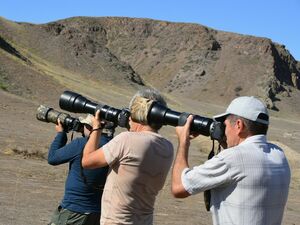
[3, 81]
[238, 89]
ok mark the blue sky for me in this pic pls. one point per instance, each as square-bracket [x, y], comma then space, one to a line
[278, 20]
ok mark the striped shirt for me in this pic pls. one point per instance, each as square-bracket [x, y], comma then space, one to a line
[249, 183]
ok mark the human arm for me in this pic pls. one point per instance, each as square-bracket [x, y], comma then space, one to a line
[187, 181]
[92, 157]
[181, 160]
[215, 172]
[59, 152]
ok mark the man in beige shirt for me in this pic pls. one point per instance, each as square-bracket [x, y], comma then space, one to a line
[139, 161]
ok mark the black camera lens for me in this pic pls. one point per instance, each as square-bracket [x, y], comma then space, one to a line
[76, 103]
[73, 102]
[159, 114]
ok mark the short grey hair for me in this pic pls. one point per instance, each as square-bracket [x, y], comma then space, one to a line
[253, 127]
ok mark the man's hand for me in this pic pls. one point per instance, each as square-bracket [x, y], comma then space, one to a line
[59, 126]
[96, 120]
[181, 160]
[183, 132]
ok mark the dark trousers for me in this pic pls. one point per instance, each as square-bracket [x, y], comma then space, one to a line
[66, 217]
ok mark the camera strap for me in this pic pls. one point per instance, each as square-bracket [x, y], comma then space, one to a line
[207, 194]
[72, 135]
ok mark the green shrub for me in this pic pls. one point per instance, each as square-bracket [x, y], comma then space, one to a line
[3, 81]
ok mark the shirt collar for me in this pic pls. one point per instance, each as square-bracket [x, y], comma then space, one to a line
[254, 139]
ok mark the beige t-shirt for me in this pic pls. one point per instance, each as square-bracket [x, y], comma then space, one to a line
[139, 163]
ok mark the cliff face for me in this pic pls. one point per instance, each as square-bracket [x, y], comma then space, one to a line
[186, 60]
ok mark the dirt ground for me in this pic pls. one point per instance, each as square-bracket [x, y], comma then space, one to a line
[30, 189]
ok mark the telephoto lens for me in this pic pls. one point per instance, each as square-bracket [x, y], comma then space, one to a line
[157, 115]
[161, 115]
[49, 115]
[73, 102]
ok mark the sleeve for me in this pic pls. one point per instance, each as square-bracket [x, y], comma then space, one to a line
[60, 153]
[212, 173]
[114, 149]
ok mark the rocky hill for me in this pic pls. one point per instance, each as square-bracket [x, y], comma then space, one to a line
[119, 55]
[198, 69]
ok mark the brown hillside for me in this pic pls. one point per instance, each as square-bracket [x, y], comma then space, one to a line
[198, 69]
[180, 59]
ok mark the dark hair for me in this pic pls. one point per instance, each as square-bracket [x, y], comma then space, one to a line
[253, 127]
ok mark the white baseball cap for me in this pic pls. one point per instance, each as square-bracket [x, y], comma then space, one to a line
[247, 107]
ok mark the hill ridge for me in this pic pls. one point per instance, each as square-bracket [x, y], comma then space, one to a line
[179, 59]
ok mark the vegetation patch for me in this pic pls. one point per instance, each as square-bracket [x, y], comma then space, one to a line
[26, 153]
[3, 81]
[237, 90]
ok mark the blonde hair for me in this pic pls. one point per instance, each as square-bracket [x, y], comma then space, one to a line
[139, 110]
[151, 94]
[140, 105]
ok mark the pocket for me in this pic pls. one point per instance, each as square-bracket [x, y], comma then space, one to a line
[76, 218]
[61, 216]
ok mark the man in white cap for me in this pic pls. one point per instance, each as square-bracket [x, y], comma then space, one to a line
[249, 180]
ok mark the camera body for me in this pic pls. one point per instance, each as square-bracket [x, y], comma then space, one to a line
[50, 115]
[157, 116]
